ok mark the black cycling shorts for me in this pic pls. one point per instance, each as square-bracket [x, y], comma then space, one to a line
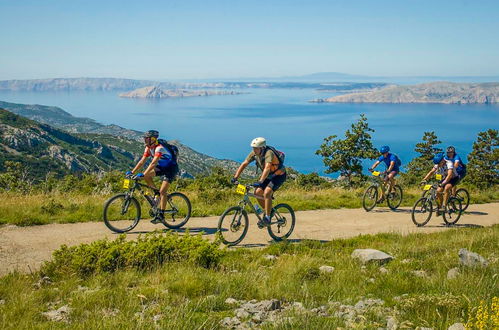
[167, 173]
[274, 182]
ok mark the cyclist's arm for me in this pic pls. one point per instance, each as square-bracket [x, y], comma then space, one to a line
[266, 172]
[392, 164]
[154, 162]
[375, 164]
[433, 170]
[139, 165]
[449, 176]
[241, 169]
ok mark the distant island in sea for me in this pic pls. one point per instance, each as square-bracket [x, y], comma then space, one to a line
[155, 92]
[435, 92]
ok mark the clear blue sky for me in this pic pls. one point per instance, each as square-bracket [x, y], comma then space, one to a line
[210, 39]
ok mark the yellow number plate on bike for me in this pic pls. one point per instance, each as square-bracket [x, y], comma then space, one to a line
[241, 189]
[427, 187]
[438, 176]
[376, 173]
[126, 183]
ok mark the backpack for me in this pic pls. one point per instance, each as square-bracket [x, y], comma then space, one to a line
[171, 148]
[398, 162]
[280, 156]
[461, 170]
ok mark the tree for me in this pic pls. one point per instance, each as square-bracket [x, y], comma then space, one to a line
[483, 166]
[419, 166]
[345, 155]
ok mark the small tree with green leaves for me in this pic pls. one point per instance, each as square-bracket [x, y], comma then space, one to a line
[419, 166]
[483, 166]
[346, 155]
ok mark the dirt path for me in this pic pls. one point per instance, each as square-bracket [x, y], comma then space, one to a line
[25, 248]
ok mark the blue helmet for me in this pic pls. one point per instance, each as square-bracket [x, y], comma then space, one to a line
[438, 158]
[384, 149]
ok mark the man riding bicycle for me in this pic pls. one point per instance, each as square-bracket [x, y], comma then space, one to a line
[449, 175]
[273, 174]
[392, 164]
[163, 164]
[452, 157]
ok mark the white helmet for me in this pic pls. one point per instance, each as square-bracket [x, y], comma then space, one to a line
[259, 142]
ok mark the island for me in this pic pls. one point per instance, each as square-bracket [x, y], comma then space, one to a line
[155, 92]
[434, 92]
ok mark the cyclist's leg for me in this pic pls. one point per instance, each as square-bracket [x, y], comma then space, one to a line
[447, 192]
[148, 178]
[440, 191]
[259, 192]
[267, 194]
[391, 180]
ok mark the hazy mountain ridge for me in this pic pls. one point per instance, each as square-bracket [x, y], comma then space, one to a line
[115, 137]
[155, 92]
[435, 92]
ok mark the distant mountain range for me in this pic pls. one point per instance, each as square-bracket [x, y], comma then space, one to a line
[155, 92]
[82, 144]
[435, 92]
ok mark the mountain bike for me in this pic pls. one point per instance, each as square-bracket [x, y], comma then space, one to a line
[122, 212]
[423, 208]
[462, 194]
[370, 199]
[233, 223]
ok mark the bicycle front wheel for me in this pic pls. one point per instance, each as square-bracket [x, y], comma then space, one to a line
[178, 210]
[121, 213]
[395, 197]
[464, 196]
[452, 211]
[421, 212]
[282, 222]
[370, 198]
[233, 225]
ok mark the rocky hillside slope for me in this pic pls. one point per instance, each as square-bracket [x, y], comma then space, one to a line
[155, 92]
[436, 92]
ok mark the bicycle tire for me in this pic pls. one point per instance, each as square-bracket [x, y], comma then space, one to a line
[282, 222]
[107, 216]
[370, 192]
[464, 196]
[392, 203]
[453, 211]
[422, 206]
[186, 209]
[233, 227]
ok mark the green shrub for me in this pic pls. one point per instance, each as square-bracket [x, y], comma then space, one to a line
[145, 253]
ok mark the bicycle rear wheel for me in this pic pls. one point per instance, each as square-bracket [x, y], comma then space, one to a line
[121, 213]
[421, 212]
[395, 197]
[464, 196]
[370, 198]
[452, 211]
[282, 222]
[178, 210]
[233, 225]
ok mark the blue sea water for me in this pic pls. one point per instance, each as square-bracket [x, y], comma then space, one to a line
[223, 126]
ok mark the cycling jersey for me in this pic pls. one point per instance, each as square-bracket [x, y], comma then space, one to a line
[388, 159]
[270, 157]
[449, 165]
[165, 157]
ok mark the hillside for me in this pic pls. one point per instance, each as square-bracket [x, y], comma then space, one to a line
[436, 92]
[155, 92]
[191, 161]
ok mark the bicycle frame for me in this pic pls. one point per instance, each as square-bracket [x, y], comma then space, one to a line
[247, 202]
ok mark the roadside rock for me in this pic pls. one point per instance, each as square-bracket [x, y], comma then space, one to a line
[366, 303]
[371, 255]
[230, 322]
[419, 273]
[58, 315]
[42, 282]
[270, 257]
[231, 301]
[472, 259]
[383, 270]
[453, 273]
[457, 326]
[391, 323]
[326, 269]
[2, 302]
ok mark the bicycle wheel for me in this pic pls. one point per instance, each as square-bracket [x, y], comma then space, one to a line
[233, 225]
[395, 197]
[464, 196]
[452, 211]
[421, 212]
[282, 222]
[121, 213]
[370, 198]
[178, 210]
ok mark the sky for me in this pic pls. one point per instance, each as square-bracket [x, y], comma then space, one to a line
[228, 39]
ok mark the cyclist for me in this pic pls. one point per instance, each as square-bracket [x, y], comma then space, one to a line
[163, 164]
[450, 178]
[453, 157]
[272, 177]
[393, 167]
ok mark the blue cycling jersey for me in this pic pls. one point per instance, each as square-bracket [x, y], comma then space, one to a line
[388, 159]
[454, 159]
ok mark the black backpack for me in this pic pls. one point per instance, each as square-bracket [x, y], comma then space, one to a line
[171, 148]
[280, 156]
[398, 162]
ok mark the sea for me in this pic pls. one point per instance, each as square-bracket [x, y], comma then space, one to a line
[223, 126]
